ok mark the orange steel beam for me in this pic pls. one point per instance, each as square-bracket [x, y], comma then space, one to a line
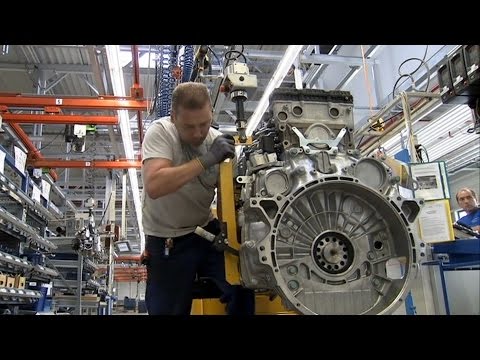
[130, 279]
[99, 103]
[130, 273]
[78, 164]
[59, 119]
[128, 258]
[137, 89]
[35, 153]
[124, 271]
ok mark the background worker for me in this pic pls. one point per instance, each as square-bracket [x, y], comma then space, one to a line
[467, 200]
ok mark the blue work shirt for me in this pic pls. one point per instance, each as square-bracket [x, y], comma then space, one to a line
[471, 220]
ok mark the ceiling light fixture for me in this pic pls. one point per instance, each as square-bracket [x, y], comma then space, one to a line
[282, 69]
[442, 136]
[116, 75]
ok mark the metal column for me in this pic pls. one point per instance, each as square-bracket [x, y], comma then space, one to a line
[78, 307]
[110, 198]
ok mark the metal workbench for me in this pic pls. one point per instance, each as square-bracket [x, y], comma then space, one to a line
[461, 254]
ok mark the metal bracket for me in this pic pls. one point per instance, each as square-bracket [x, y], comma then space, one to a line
[245, 179]
[332, 144]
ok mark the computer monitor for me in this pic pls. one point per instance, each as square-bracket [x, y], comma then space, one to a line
[123, 246]
[459, 214]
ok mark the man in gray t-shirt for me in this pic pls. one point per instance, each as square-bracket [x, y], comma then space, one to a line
[180, 168]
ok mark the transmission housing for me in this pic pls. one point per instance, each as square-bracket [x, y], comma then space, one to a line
[321, 226]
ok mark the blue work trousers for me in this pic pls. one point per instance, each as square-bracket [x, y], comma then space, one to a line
[170, 277]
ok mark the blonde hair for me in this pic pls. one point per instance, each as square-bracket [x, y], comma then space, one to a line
[190, 95]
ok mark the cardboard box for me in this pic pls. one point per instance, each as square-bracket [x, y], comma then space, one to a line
[3, 280]
[20, 282]
[10, 282]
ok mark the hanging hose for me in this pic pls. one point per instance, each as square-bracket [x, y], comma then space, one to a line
[166, 61]
[187, 63]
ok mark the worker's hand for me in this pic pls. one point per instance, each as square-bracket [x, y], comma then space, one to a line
[476, 228]
[144, 257]
[222, 147]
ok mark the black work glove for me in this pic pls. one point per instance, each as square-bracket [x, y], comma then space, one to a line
[222, 147]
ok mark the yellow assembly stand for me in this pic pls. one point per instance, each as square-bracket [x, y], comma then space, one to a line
[226, 206]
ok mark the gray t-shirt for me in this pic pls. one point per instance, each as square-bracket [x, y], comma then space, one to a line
[178, 213]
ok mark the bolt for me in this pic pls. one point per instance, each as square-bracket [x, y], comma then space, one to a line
[376, 282]
[292, 270]
[370, 255]
[293, 285]
[285, 232]
[250, 244]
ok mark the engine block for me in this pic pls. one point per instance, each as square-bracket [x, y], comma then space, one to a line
[321, 226]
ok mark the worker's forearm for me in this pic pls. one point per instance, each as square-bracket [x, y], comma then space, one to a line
[168, 180]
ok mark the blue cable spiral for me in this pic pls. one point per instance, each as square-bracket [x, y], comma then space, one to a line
[166, 61]
[187, 63]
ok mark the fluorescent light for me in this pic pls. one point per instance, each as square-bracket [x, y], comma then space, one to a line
[447, 133]
[116, 74]
[283, 66]
[465, 157]
[444, 136]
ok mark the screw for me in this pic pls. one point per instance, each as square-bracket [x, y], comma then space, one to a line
[292, 270]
